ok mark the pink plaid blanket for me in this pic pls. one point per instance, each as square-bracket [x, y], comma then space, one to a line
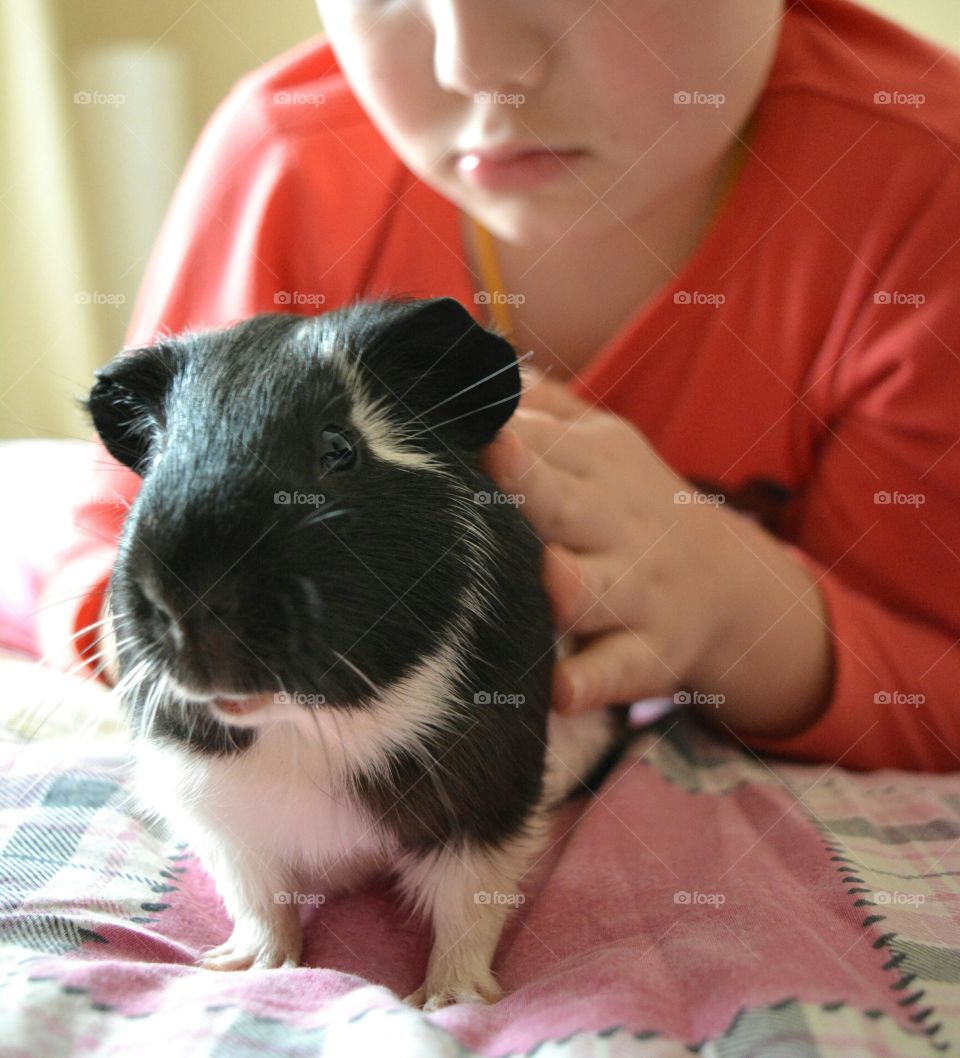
[705, 898]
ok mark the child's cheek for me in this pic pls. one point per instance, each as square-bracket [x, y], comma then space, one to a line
[691, 66]
[388, 62]
[620, 69]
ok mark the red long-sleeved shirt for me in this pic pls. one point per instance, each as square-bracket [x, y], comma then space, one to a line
[830, 369]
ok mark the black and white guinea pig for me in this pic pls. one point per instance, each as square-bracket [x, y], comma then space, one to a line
[334, 647]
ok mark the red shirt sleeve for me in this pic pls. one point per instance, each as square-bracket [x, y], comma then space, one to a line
[879, 525]
[226, 243]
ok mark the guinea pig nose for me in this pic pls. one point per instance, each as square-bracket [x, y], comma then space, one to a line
[220, 602]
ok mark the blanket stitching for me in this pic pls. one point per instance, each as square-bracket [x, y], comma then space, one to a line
[885, 940]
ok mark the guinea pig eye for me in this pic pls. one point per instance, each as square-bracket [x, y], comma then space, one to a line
[336, 452]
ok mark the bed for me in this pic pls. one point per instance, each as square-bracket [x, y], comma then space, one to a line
[706, 901]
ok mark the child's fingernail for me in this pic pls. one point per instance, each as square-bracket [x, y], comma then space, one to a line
[529, 377]
[498, 457]
[560, 698]
[570, 691]
[518, 459]
[576, 692]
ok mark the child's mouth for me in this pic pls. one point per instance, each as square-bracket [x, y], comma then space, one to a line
[523, 168]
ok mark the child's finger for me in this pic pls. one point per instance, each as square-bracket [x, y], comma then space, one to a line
[612, 669]
[554, 439]
[543, 393]
[562, 580]
[589, 592]
[551, 499]
[501, 459]
[559, 506]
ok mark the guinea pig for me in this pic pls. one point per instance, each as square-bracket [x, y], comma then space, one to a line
[334, 647]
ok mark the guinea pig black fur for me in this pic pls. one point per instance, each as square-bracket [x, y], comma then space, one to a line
[334, 648]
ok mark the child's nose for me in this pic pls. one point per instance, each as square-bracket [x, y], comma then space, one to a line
[486, 45]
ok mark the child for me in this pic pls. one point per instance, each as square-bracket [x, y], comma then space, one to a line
[732, 244]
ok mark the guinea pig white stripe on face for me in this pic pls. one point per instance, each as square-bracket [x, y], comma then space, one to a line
[383, 435]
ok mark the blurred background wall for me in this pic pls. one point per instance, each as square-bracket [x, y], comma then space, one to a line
[100, 103]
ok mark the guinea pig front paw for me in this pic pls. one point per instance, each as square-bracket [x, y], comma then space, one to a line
[434, 995]
[256, 946]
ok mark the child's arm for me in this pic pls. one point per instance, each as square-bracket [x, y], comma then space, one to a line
[873, 547]
[893, 697]
[770, 670]
[878, 522]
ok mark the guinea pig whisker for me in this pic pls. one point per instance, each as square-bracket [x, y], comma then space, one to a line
[99, 623]
[156, 695]
[346, 661]
[143, 669]
[191, 717]
[479, 382]
[77, 667]
[457, 418]
[133, 678]
[99, 536]
[33, 714]
[34, 721]
[116, 498]
[60, 602]
[95, 643]
[150, 699]
[315, 517]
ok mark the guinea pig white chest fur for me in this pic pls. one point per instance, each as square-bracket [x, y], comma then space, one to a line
[334, 648]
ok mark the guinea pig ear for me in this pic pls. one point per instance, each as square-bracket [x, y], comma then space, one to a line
[126, 403]
[444, 370]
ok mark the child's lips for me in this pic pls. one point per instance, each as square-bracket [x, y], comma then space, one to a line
[517, 167]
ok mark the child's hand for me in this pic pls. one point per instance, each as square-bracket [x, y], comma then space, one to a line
[627, 566]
